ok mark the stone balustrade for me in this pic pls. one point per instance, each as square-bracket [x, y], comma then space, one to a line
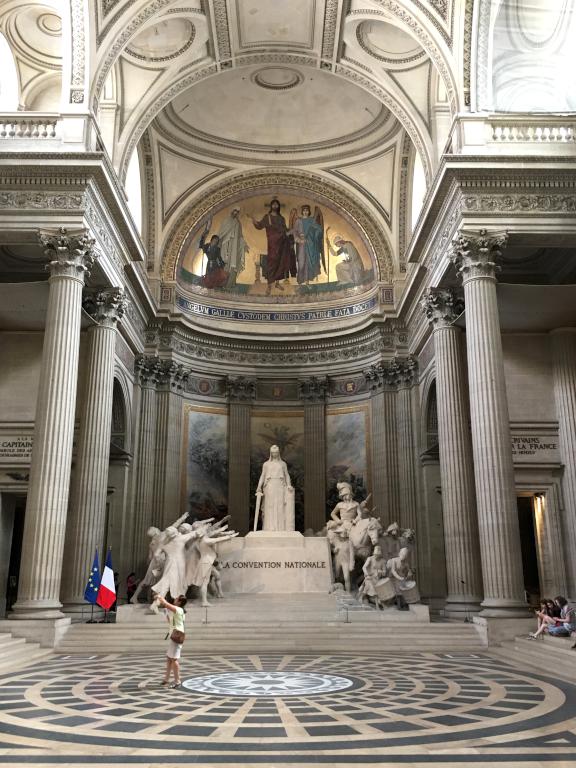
[509, 133]
[22, 126]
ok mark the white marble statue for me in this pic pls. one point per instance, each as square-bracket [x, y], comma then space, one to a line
[343, 550]
[402, 575]
[275, 495]
[200, 569]
[375, 577]
[173, 578]
[156, 557]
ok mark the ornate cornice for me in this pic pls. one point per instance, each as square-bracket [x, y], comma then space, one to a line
[106, 306]
[287, 179]
[475, 254]
[70, 253]
[442, 307]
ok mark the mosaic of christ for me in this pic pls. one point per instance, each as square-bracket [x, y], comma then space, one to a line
[286, 246]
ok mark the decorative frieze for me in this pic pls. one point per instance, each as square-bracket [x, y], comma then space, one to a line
[313, 389]
[240, 389]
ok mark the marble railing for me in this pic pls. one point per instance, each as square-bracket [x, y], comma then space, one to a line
[23, 126]
[513, 134]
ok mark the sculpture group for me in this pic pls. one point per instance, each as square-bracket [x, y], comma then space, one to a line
[374, 559]
[184, 555]
[369, 559]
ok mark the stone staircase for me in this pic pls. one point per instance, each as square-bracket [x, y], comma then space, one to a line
[275, 624]
[546, 655]
[16, 652]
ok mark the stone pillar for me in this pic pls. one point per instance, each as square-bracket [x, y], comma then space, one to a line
[564, 350]
[241, 393]
[87, 511]
[147, 374]
[384, 443]
[404, 372]
[70, 255]
[474, 255]
[313, 394]
[172, 379]
[464, 574]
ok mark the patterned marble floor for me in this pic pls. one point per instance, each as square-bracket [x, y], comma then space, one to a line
[276, 710]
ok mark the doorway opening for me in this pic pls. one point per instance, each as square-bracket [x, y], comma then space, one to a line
[529, 549]
[12, 509]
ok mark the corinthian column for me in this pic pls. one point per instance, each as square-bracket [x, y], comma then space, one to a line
[404, 373]
[564, 349]
[70, 255]
[147, 375]
[463, 570]
[313, 394]
[172, 379]
[87, 510]
[474, 256]
[384, 445]
[241, 394]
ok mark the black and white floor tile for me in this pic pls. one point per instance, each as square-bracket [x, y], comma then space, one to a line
[386, 709]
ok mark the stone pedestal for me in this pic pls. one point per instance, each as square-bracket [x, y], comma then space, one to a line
[276, 562]
[464, 575]
[475, 255]
[70, 255]
[86, 516]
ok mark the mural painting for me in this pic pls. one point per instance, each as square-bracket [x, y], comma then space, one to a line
[205, 462]
[347, 452]
[285, 245]
[287, 432]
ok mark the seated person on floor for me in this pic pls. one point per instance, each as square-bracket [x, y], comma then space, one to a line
[548, 615]
[567, 621]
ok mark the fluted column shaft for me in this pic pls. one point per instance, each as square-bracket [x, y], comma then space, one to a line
[564, 350]
[87, 511]
[405, 370]
[147, 371]
[384, 444]
[239, 498]
[463, 570]
[474, 256]
[70, 255]
[169, 441]
[312, 393]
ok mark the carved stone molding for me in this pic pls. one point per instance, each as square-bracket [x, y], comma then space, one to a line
[172, 376]
[240, 389]
[404, 372]
[69, 253]
[442, 307]
[37, 200]
[520, 203]
[147, 370]
[106, 306]
[313, 390]
[476, 254]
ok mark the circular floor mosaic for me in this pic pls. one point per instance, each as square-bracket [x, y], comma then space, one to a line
[248, 684]
[276, 709]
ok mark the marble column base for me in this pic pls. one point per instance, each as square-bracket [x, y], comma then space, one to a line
[495, 630]
[461, 606]
[47, 633]
[37, 609]
[500, 608]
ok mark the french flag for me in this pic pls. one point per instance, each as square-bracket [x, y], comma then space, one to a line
[107, 590]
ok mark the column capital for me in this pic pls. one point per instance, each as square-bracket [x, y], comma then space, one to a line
[476, 254]
[147, 370]
[313, 390]
[404, 371]
[379, 377]
[70, 253]
[240, 389]
[172, 376]
[442, 307]
[106, 306]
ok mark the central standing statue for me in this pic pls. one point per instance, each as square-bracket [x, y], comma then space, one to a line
[275, 495]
